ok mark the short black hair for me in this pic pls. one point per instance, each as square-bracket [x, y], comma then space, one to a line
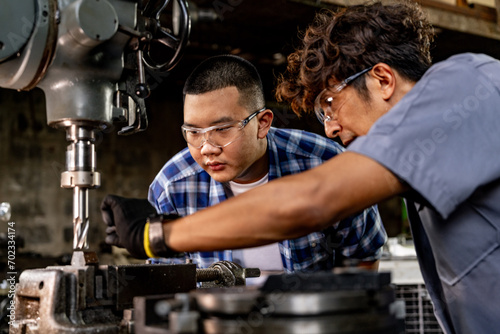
[226, 71]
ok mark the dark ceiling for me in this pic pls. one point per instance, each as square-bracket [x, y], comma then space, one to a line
[263, 32]
[266, 31]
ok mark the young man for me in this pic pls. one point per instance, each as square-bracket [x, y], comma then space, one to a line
[429, 134]
[232, 148]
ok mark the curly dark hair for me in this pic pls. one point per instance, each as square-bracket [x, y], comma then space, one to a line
[340, 43]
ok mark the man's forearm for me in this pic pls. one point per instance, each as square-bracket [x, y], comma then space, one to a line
[251, 219]
[286, 208]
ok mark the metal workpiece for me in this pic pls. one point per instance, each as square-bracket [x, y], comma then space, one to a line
[225, 273]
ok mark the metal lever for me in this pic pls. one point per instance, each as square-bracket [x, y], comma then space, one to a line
[142, 88]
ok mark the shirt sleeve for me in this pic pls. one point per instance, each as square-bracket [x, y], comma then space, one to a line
[443, 137]
[362, 235]
[160, 193]
[159, 197]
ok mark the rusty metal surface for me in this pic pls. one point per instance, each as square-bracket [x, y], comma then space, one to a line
[46, 303]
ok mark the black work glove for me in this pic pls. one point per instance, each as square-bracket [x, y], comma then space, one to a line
[126, 219]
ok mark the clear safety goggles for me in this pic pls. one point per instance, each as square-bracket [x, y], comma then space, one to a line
[323, 102]
[217, 135]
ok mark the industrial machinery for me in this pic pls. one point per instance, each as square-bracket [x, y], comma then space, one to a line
[91, 59]
[351, 302]
[86, 297]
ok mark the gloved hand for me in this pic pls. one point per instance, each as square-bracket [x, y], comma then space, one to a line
[126, 219]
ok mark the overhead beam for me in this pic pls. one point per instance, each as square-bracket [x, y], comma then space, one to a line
[479, 20]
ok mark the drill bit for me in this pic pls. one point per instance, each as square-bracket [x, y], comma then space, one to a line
[80, 218]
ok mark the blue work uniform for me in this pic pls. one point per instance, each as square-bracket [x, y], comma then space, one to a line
[443, 139]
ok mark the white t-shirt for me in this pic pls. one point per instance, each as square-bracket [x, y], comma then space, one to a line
[267, 258]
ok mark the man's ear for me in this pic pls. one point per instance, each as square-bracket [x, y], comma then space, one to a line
[265, 119]
[385, 80]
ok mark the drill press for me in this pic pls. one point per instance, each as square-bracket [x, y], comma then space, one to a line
[90, 58]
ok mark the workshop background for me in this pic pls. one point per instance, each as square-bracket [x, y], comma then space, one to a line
[32, 154]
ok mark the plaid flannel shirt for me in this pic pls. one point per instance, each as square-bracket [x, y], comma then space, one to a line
[182, 187]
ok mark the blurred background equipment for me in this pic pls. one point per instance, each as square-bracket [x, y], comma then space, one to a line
[5, 211]
[350, 302]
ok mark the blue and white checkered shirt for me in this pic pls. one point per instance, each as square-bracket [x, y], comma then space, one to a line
[182, 187]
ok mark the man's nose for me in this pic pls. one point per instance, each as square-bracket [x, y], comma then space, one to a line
[208, 148]
[332, 128]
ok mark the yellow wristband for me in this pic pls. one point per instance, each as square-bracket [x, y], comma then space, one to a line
[147, 247]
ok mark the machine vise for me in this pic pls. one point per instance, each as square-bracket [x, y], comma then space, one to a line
[88, 298]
